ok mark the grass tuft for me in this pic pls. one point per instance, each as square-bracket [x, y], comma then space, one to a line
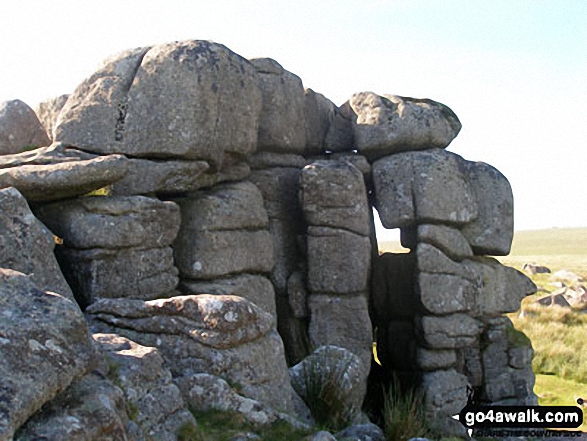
[403, 414]
[325, 393]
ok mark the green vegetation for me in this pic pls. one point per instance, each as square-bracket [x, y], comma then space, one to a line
[557, 336]
[556, 333]
[555, 391]
[327, 400]
[216, 425]
[403, 415]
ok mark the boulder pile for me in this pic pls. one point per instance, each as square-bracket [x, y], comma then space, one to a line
[213, 219]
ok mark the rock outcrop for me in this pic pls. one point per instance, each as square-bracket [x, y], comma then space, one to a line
[229, 234]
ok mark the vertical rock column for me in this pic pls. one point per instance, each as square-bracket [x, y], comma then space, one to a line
[277, 176]
[452, 212]
[334, 200]
[224, 246]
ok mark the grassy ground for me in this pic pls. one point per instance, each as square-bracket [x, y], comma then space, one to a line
[557, 334]
[555, 391]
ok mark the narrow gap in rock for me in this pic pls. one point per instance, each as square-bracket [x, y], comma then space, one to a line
[392, 309]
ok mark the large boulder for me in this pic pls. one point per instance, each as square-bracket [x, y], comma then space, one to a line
[423, 187]
[20, 129]
[226, 336]
[115, 246]
[445, 392]
[342, 321]
[450, 331]
[155, 403]
[482, 287]
[48, 112]
[389, 124]
[56, 172]
[92, 408]
[335, 375]
[492, 231]
[319, 114]
[93, 116]
[26, 245]
[191, 99]
[333, 194]
[449, 240]
[112, 222]
[45, 345]
[282, 124]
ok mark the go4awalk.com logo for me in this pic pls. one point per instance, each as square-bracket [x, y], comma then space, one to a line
[519, 417]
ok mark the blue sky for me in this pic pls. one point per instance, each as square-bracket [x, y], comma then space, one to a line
[514, 71]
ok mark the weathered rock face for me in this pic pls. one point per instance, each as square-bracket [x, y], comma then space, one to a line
[115, 246]
[493, 230]
[223, 232]
[105, 273]
[257, 289]
[26, 245]
[192, 99]
[91, 408]
[57, 173]
[155, 403]
[342, 321]
[113, 222]
[282, 124]
[333, 195]
[45, 345]
[225, 336]
[319, 115]
[423, 187]
[389, 124]
[338, 260]
[20, 129]
[279, 183]
[144, 176]
[206, 392]
[48, 112]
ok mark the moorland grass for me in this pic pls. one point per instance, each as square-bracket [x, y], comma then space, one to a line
[558, 338]
[556, 391]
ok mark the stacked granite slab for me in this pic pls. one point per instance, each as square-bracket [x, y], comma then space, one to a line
[115, 247]
[336, 209]
[224, 245]
[294, 124]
